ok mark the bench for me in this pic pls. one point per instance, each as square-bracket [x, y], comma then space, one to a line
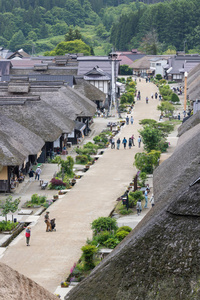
[44, 185]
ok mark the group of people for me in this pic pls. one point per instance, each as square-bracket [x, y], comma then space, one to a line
[139, 204]
[130, 142]
[131, 120]
[35, 173]
[50, 226]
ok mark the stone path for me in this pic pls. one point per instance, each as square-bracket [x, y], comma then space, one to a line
[51, 255]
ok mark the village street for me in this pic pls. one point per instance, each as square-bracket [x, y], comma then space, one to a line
[51, 255]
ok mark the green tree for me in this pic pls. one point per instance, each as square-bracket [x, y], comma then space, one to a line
[16, 41]
[76, 46]
[150, 137]
[9, 206]
[166, 107]
[147, 161]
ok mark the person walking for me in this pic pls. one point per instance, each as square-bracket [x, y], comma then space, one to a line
[133, 143]
[112, 143]
[132, 120]
[139, 141]
[124, 142]
[152, 96]
[130, 142]
[156, 95]
[152, 200]
[146, 198]
[28, 235]
[47, 221]
[127, 120]
[139, 206]
[37, 173]
[179, 116]
[147, 100]
[118, 143]
[31, 174]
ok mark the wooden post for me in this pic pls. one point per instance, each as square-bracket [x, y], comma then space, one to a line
[185, 91]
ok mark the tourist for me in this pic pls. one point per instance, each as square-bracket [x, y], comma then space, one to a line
[184, 113]
[118, 143]
[179, 116]
[47, 221]
[146, 198]
[31, 174]
[132, 120]
[139, 141]
[124, 142]
[37, 173]
[133, 139]
[127, 120]
[147, 100]
[139, 206]
[130, 142]
[28, 235]
[112, 143]
[156, 95]
[152, 96]
[152, 200]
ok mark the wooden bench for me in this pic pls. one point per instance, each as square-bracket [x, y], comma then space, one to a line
[44, 185]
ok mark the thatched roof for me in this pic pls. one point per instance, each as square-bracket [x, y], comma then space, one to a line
[69, 102]
[16, 286]
[142, 63]
[193, 83]
[89, 90]
[160, 258]
[40, 118]
[191, 122]
[17, 142]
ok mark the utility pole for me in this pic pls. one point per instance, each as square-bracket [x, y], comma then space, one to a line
[185, 91]
[113, 56]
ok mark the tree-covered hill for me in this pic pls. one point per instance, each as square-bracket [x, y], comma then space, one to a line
[102, 23]
[174, 22]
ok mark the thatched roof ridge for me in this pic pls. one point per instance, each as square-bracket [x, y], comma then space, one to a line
[190, 123]
[40, 118]
[69, 102]
[18, 137]
[88, 90]
[160, 258]
[193, 74]
[17, 286]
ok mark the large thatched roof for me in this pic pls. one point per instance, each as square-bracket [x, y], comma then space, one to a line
[15, 286]
[89, 90]
[17, 142]
[40, 118]
[190, 123]
[160, 258]
[68, 101]
[193, 83]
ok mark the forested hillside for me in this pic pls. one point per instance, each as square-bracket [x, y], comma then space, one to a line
[124, 24]
[173, 23]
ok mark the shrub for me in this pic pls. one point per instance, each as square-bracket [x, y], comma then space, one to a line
[88, 253]
[124, 228]
[158, 76]
[175, 98]
[7, 225]
[111, 243]
[121, 235]
[36, 199]
[57, 184]
[103, 236]
[56, 160]
[82, 159]
[133, 197]
[104, 224]
[124, 211]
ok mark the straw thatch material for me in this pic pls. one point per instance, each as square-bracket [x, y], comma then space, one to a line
[89, 91]
[160, 258]
[16, 286]
[17, 142]
[191, 122]
[69, 102]
[40, 118]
